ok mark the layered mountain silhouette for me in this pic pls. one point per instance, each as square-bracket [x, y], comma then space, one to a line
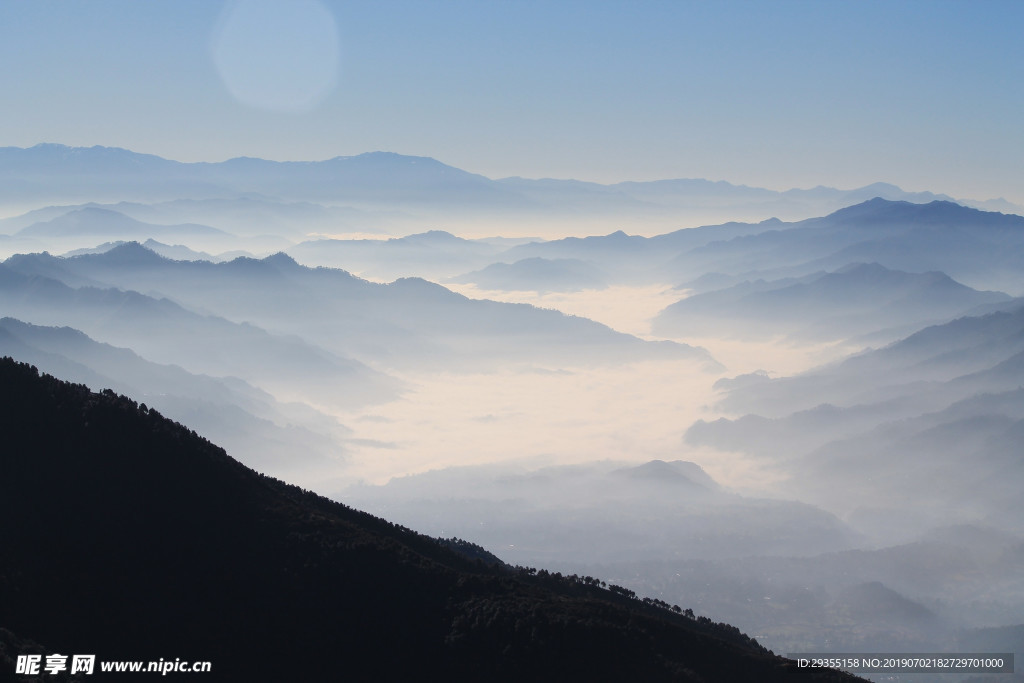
[924, 424]
[600, 512]
[915, 596]
[177, 252]
[97, 172]
[280, 438]
[128, 536]
[622, 254]
[248, 215]
[979, 248]
[622, 257]
[858, 300]
[407, 322]
[537, 274]
[433, 254]
[95, 223]
[377, 180]
[165, 332]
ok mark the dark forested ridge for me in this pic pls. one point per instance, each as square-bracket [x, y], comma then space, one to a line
[128, 536]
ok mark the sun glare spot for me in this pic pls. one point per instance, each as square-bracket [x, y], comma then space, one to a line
[277, 55]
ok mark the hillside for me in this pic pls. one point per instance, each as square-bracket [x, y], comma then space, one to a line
[128, 536]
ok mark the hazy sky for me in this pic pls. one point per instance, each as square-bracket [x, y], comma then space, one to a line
[777, 94]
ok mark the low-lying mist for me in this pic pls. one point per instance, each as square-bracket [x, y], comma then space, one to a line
[535, 416]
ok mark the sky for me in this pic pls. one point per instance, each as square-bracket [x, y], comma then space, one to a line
[780, 94]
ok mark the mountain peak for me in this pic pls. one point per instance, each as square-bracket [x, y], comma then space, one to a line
[872, 268]
[127, 253]
[50, 154]
[880, 188]
[430, 236]
[281, 260]
[674, 472]
[938, 211]
[393, 156]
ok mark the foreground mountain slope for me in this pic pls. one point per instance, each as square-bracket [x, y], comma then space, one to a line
[282, 439]
[128, 536]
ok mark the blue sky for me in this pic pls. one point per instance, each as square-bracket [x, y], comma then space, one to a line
[927, 95]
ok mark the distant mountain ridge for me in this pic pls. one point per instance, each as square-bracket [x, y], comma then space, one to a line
[855, 300]
[983, 249]
[370, 176]
[538, 274]
[600, 512]
[52, 171]
[94, 221]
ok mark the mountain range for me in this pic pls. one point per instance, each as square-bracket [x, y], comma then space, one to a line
[930, 593]
[536, 274]
[940, 413]
[864, 300]
[166, 332]
[374, 181]
[409, 321]
[979, 248]
[602, 512]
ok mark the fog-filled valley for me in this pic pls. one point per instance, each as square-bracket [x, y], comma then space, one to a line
[799, 412]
